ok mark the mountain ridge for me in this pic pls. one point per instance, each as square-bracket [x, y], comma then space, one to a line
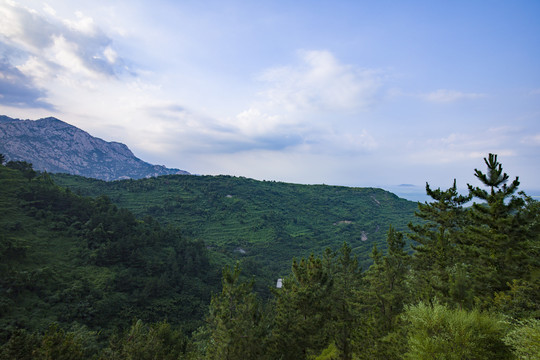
[53, 145]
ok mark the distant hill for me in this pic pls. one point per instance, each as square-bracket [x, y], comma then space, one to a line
[54, 146]
[263, 224]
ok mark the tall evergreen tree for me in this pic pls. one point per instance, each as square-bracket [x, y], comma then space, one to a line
[437, 332]
[435, 245]
[147, 342]
[302, 311]
[384, 296]
[235, 321]
[345, 316]
[498, 239]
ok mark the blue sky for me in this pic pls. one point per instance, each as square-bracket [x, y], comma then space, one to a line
[356, 93]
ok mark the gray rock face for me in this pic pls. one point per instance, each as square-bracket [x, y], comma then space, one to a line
[54, 146]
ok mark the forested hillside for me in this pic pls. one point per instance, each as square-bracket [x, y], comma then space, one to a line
[260, 223]
[468, 288]
[86, 264]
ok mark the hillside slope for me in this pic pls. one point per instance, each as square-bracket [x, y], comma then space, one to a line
[85, 262]
[264, 224]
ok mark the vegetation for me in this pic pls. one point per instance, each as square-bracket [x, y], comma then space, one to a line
[438, 332]
[84, 263]
[467, 289]
[262, 224]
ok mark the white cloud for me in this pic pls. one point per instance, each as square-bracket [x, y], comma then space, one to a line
[78, 47]
[110, 55]
[36, 68]
[311, 106]
[24, 28]
[458, 147]
[65, 63]
[9, 26]
[254, 122]
[19, 90]
[304, 105]
[448, 96]
[49, 10]
[320, 82]
[347, 143]
[533, 139]
[66, 54]
[83, 24]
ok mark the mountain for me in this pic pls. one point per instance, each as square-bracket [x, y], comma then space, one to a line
[54, 146]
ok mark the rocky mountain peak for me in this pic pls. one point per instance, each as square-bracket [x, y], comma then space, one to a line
[53, 145]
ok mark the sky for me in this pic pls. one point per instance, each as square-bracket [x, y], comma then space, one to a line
[388, 94]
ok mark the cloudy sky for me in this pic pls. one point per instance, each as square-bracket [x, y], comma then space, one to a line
[356, 93]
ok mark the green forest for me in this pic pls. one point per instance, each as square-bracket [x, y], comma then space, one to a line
[261, 224]
[140, 270]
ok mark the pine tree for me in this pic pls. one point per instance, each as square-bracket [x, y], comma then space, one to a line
[498, 239]
[524, 339]
[235, 321]
[147, 342]
[435, 250]
[384, 296]
[437, 332]
[56, 344]
[345, 317]
[302, 311]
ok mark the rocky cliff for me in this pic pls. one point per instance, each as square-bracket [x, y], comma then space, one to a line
[55, 146]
